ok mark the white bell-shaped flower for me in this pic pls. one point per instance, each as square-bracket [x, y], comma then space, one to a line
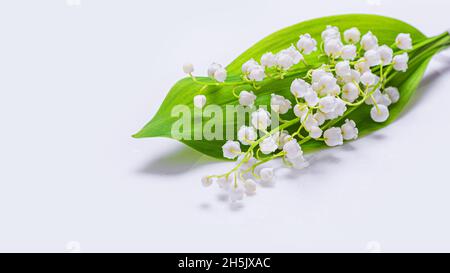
[338, 111]
[315, 132]
[199, 101]
[333, 48]
[250, 186]
[386, 54]
[379, 113]
[350, 92]
[306, 44]
[294, 53]
[246, 98]
[352, 35]
[212, 69]
[320, 117]
[368, 78]
[393, 93]
[220, 75]
[268, 59]
[349, 130]
[257, 73]
[311, 98]
[279, 104]
[331, 33]
[372, 56]
[317, 74]
[327, 104]
[268, 145]
[369, 41]
[375, 96]
[404, 41]
[300, 110]
[299, 87]
[298, 163]
[261, 119]
[266, 174]
[207, 181]
[343, 68]
[400, 62]
[292, 149]
[236, 193]
[231, 149]
[384, 100]
[188, 68]
[333, 137]
[247, 135]
[309, 122]
[362, 66]
[348, 52]
[284, 60]
[248, 66]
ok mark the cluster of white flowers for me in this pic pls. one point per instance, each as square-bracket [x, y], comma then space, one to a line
[354, 74]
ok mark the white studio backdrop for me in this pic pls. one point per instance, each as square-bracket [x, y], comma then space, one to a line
[78, 77]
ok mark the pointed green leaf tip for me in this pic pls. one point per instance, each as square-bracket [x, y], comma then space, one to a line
[386, 29]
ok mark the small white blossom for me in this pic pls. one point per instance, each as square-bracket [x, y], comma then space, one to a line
[372, 56]
[338, 111]
[284, 60]
[268, 145]
[281, 138]
[343, 68]
[375, 97]
[213, 68]
[299, 88]
[333, 48]
[300, 110]
[246, 98]
[207, 181]
[352, 35]
[298, 163]
[261, 119]
[257, 73]
[246, 135]
[247, 163]
[268, 59]
[309, 122]
[348, 52]
[331, 33]
[403, 41]
[327, 85]
[266, 174]
[369, 41]
[368, 78]
[333, 137]
[279, 104]
[350, 92]
[294, 53]
[220, 75]
[353, 77]
[386, 54]
[320, 117]
[393, 94]
[188, 68]
[311, 98]
[199, 101]
[236, 193]
[349, 130]
[250, 186]
[401, 62]
[317, 74]
[292, 149]
[362, 66]
[379, 113]
[315, 132]
[306, 44]
[327, 104]
[231, 149]
[248, 66]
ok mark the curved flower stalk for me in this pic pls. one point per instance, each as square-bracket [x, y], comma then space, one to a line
[326, 86]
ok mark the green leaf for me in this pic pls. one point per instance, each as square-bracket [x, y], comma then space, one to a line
[386, 29]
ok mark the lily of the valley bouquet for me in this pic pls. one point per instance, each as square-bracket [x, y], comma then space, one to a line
[313, 85]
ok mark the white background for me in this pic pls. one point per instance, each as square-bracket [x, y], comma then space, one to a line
[77, 78]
